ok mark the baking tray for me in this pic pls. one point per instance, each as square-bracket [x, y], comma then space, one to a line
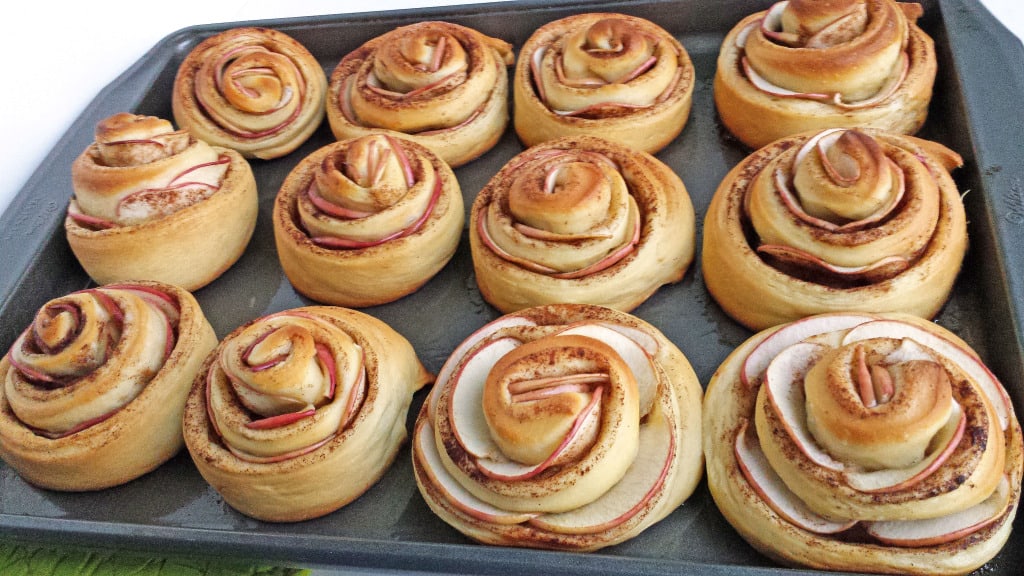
[390, 528]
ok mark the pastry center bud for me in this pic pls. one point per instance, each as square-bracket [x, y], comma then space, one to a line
[822, 23]
[568, 198]
[846, 177]
[612, 49]
[879, 403]
[126, 139]
[56, 326]
[419, 60]
[368, 176]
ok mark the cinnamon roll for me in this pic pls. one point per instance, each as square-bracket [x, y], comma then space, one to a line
[439, 84]
[298, 413]
[619, 77]
[94, 389]
[151, 202]
[864, 442]
[254, 90]
[837, 220]
[580, 220]
[366, 221]
[568, 427]
[804, 65]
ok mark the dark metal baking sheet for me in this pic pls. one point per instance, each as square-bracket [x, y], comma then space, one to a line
[172, 510]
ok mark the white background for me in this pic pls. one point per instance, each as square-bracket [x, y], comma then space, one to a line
[58, 56]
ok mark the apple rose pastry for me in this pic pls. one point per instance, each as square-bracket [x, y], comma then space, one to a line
[254, 90]
[839, 220]
[806, 65]
[439, 84]
[581, 220]
[151, 202]
[94, 389]
[298, 413]
[567, 427]
[863, 442]
[366, 221]
[619, 77]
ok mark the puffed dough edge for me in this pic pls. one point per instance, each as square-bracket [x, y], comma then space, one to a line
[681, 482]
[759, 296]
[373, 275]
[757, 118]
[139, 437]
[333, 475]
[189, 248]
[727, 401]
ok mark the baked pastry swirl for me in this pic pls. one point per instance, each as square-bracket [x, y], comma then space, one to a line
[254, 90]
[298, 413]
[366, 221]
[440, 84]
[862, 442]
[804, 65]
[151, 202]
[610, 75]
[568, 427]
[837, 220]
[94, 389]
[580, 220]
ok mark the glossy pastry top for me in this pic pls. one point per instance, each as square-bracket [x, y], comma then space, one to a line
[863, 442]
[88, 354]
[847, 52]
[255, 90]
[141, 169]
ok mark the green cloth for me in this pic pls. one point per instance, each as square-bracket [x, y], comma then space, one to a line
[18, 560]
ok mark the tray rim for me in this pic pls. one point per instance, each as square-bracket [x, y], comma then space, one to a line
[1003, 186]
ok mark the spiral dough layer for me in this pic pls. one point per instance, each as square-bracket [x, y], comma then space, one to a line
[836, 220]
[806, 65]
[864, 442]
[565, 427]
[610, 75]
[582, 220]
[366, 221]
[254, 90]
[442, 85]
[94, 389]
[154, 203]
[298, 413]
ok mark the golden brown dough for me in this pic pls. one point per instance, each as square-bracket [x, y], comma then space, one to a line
[580, 219]
[298, 413]
[254, 90]
[864, 442]
[94, 389]
[806, 65]
[619, 77]
[836, 220]
[366, 221]
[567, 427]
[438, 84]
[154, 203]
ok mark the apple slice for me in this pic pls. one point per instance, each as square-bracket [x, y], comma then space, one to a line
[460, 351]
[508, 470]
[646, 341]
[936, 531]
[784, 385]
[757, 361]
[640, 364]
[469, 425]
[631, 495]
[770, 487]
[453, 492]
[967, 362]
[884, 268]
[279, 420]
[278, 457]
[883, 481]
